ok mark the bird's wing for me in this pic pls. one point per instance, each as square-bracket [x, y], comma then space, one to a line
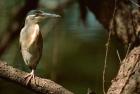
[36, 51]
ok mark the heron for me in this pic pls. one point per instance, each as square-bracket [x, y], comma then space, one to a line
[31, 41]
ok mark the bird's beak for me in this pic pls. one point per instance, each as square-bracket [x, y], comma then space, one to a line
[49, 15]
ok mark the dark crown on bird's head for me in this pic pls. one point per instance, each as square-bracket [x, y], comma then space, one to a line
[35, 12]
[42, 14]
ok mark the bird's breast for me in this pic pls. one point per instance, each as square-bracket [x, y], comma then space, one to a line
[29, 35]
[34, 33]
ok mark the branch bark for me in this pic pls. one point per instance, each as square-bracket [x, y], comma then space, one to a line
[127, 80]
[41, 85]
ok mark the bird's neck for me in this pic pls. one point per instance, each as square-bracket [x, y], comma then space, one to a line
[29, 23]
[31, 27]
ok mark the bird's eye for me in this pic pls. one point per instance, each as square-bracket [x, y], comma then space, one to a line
[37, 15]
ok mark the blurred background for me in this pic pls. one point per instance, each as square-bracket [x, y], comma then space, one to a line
[74, 45]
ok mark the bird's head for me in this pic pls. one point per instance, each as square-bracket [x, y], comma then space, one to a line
[35, 16]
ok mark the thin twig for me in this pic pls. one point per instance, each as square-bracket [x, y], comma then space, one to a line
[134, 3]
[107, 48]
[128, 49]
[118, 54]
[105, 62]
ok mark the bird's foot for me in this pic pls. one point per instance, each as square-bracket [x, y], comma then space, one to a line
[29, 76]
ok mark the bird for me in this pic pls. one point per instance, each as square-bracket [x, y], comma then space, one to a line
[31, 41]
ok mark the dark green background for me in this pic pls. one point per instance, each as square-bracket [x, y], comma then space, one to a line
[73, 54]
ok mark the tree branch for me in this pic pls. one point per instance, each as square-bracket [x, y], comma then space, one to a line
[41, 85]
[127, 80]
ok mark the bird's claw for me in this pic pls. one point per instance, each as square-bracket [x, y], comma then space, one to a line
[28, 77]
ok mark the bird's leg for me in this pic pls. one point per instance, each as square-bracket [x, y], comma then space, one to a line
[29, 77]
